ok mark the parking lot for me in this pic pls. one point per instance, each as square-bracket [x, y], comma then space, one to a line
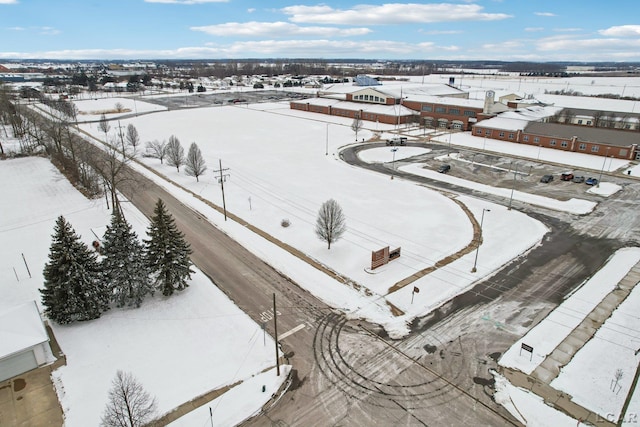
[510, 172]
[228, 97]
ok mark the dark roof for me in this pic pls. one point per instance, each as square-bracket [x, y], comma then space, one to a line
[620, 138]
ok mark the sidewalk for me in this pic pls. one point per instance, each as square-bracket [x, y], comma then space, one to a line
[540, 379]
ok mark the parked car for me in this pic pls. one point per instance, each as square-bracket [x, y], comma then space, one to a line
[546, 179]
[578, 179]
[398, 140]
[591, 181]
[444, 168]
[567, 176]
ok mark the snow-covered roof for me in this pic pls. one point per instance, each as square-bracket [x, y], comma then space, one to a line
[21, 328]
[396, 90]
[390, 110]
[445, 100]
[518, 119]
[590, 103]
[416, 92]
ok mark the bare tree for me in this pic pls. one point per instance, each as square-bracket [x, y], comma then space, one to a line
[175, 152]
[103, 125]
[111, 166]
[194, 163]
[356, 125]
[330, 224]
[157, 149]
[119, 107]
[133, 139]
[129, 404]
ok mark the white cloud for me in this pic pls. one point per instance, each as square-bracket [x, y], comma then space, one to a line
[615, 46]
[505, 45]
[544, 14]
[185, 1]
[390, 13]
[438, 32]
[622, 31]
[261, 48]
[8, 1]
[251, 9]
[49, 31]
[567, 30]
[16, 28]
[534, 29]
[277, 29]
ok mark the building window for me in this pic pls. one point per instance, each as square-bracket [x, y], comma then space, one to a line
[582, 146]
[552, 143]
[469, 113]
[428, 108]
[478, 131]
[511, 136]
[501, 134]
[366, 97]
[595, 148]
[487, 132]
[454, 111]
[536, 139]
[580, 121]
[564, 144]
[622, 152]
[588, 122]
[441, 110]
[525, 138]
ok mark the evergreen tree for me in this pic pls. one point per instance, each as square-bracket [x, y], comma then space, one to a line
[72, 287]
[166, 252]
[123, 266]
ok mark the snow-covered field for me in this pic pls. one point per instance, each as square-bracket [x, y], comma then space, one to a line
[281, 164]
[178, 347]
[282, 171]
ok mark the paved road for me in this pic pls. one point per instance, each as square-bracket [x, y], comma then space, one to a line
[345, 372]
[349, 373]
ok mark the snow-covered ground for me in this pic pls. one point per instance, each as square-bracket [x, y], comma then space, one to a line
[282, 171]
[178, 347]
[592, 384]
[283, 163]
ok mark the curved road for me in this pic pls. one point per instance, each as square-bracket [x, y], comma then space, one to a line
[345, 372]
[348, 372]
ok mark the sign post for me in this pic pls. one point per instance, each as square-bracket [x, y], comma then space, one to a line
[415, 291]
[527, 348]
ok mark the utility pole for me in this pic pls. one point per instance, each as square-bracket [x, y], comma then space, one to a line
[275, 332]
[515, 173]
[221, 179]
[121, 135]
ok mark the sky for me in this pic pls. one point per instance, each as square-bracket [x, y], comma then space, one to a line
[510, 30]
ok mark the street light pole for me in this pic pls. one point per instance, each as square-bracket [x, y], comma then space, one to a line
[515, 173]
[326, 151]
[602, 170]
[475, 262]
[393, 162]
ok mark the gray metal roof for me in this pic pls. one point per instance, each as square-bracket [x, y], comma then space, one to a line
[615, 137]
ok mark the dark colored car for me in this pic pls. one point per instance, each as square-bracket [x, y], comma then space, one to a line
[444, 168]
[578, 179]
[546, 179]
[402, 140]
[591, 181]
[567, 176]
